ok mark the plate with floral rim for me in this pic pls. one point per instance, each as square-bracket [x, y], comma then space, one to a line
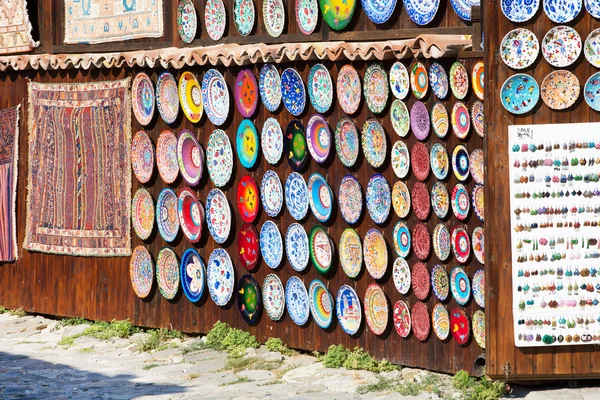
[218, 215]
[215, 19]
[379, 198]
[378, 11]
[459, 80]
[271, 141]
[520, 11]
[440, 200]
[402, 319]
[167, 273]
[167, 219]
[440, 121]
[463, 8]
[142, 157]
[307, 16]
[347, 143]
[350, 199]
[460, 202]
[351, 253]
[271, 244]
[399, 80]
[375, 253]
[193, 275]
[141, 272]
[421, 12]
[320, 87]
[348, 89]
[440, 282]
[376, 87]
[219, 158]
[400, 159]
[244, 15]
[560, 90]
[376, 309]
[273, 296]
[274, 16]
[401, 235]
[438, 79]
[166, 156]
[142, 98]
[292, 91]
[187, 21]
[220, 277]
[296, 301]
[215, 97]
[401, 275]
[400, 118]
[419, 81]
[142, 213]
[167, 97]
[269, 86]
[374, 142]
[561, 46]
[271, 194]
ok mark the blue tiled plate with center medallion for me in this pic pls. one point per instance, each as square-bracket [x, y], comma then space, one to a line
[379, 198]
[296, 247]
[271, 244]
[562, 11]
[193, 275]
[379, 11]
[296, 301]
[293, 92]
[520, 10]
[463, 8]
[438, 80]
[421, 12]
[296, 196]
[348, 310]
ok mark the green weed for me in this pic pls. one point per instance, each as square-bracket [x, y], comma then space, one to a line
[72, 321]
[237, 364]
[233, 341]
[103, 331]
[150, 366]
[87, 350]
[240, 379]
[382, 385]
[19, 312]
[276, 344]
[156, 339]
[482, 389]
[357, 359]
[269, 383]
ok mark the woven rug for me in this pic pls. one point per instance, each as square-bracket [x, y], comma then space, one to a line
[101, 21]
[9, 161]
[15, 28]
[79, 179]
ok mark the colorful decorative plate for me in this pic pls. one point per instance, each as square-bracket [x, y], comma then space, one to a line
[460, 326]
[439, 282]
[348, 87]
[561, 46]
[167, 273]
[191, 215]
[296, 247]
[271, 194]
[400, 118]
[350, 199]
[400, 159]
[307, 15]
[295, 145]
[461, 120]
[218, 215]
[274, 16]
[461, 244]
[591, 92]
[419, 120]
[402, 320]
[376, 309]
[141, 271]
[296, 300]
[318, 138]
[190, 157]
[249, 299]
[219, 158]
[463, 7]
[215, 97]
[479, 328]
[460, 286]
[269, 85]
[440, 162]
[438, 80]
[419, 81]
[142, 157]
[378, 11]
[292, 91]
[459, 80]
[244, 15]
[246, 93]
[476, 166]
[166, 156]
[399, 80]
[320, 197]
[320, 85]
[321, 249]
[421, 241]
[440, 321]
[479, 288]
[421, 202]
[402, 239]
[478, 204]
[347, 143]
[296, 196]
[375, 253]
[560, 90]
[420, 281]
[348, 310]
[246, 143]
[190, 97]
[520, 94]
[442, 242]
[401, 199]
[167, 219]
[560, 11]
[374, 142]
[271, 140]
[477, 118]
[520, 11]
[271, 244]
[421, 324]
[167, 98]
[273, 296]
[351, 253]
[376, 85]
[419, 161]
[215, 18]
[321, 303]
[440, 120]
[519, 48]
[478, 239]
[220, 277]
[379, 198]
[593, 7]
[460, 202]
[401, 275]
[421, 12]
[460, 162]
[248, 247]
[248, 199]
[193, 275]
[440, 199]
[478, 79]
[142, 98]
[337, 13]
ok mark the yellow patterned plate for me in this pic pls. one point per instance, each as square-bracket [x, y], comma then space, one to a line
[190, 97]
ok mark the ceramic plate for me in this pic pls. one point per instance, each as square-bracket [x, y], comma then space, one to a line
[440, 320]
[461, 244]
[296, 247]
[478, 240]
[560, 90]
[438, 80]
[376, 86]
[269, 85]
[190, 157]
[271, 244]
[249, 299]
[561, 11]
[478, 204]
[320, 197]
[318, 138]
[271, 194]
[460, 202]
[296, 301]
[215, 97]
[274, 16]
[379, 198]
[421, 12]
[248, 246]
[166, 156]
[421, 241]
[248, 199]
[142, 98]
[440, 200]
[247, 144]
[460, 286]
[142, 157]
[246, 93]
[459, 80]
[460, 162]
[378, 11]
[402, 320]
[321, 303]
[476, 166]
[219, 158]
[479, 288]
[273, 295]
[419, 161]
[337, 13]
[400, 159]
[295, 145]
[479, 328]
[190, 97]
[348, 89]
[141, 271]
[519, 48]
[441, 242]
[520, 11]
[244, 15]
[193, 275]
[218, 215]
[350, 199]
[421, 323]
[167, 273]
[591, 92]
[375, 253]
[460, 326]
[439, 282]
[321, 249]
[419, 81]
[593, 7]
[191, 215]
[348, 310]
[400, 118]
[167, 219]
[461, 120]
[376, 309]
[167, 97]
[320, 85]
[347, 143]
[401, 275]
[351, 253]
[292, 91]
[220, 277]
[420, 201]
[296, 196]
[477, 118]
[401, 237]
[520, 94]
[401, 199]
[420, 281]
[561, 46]
[419, 120]
[440, 120]
[440, 162]
[271, 140]
[215, 18]
[399, 80]
[307, 15]
[463, 7]
[478, 79]
[374, 142]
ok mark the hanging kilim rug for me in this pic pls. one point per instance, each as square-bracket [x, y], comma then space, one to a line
[15, 28]
[101, 21]
[9, 161]
[79, 179]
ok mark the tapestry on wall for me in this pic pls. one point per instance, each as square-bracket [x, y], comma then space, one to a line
[79, 179]
[15, 27]
[101, 21]
[9, 162]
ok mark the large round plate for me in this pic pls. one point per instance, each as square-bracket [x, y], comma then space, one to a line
[439, 282]
[421, 241]
[248, 247]
[399, 80]
[320, 197]
[295, 145]
[400, 118]
[460, 286]
[461, 120]
[520, 94]
[142, 98]
[378, 11]
[560, 90]
[591, 92]
[420, 281]
[190, 157]
[520, 11]
[460, 162]
[402, 320]
[479, 288]
[442, 242]
[167, 219]
[479, 328]
[478, 79]
[296, 301]
[376, 85]
[321, 249]
[337, 13]
[348, 310]
[167, 98]
[593, 7]
[463, 7]
[478, 204]
[478, 240]
[296, 247]
[142, 157]
[348, 88]
[461, 244]
[440, 121]
[561, 46]
[244, 15]
[350, 199]
[218, 215]
[347, 143]
[421, 202]
[401, 235]
[247, 144]
[440, 321]
[379, 198]
[166, 156]
[248, 197]
[460, 202]
[476, 166]
[440, 200]
[401, 199]
[460, 326]
[375, 253]
[249, 299]
[560, 11]
[292, 91]
[519, 48]
[401, 275]
[191, 215]
[321, 303]
[421, 12]
[374, 142]
[246, 93]
[419, 81]
[307, 15]
[141, 271]
[215, 97]
[400, 159]
[220, 277]
[477, 118]
[167, 273]
[274, 16]
[440, 163]
[351, 253]
[271, 244]
[421, 324]
[419, 120]
[419, 160]
[320, 85]
[296, 196]
[219, 158]
[215, 19]
[273, 295]
[318, 138]
[271, 194]
[190, 97]
[459, 80]
[271, 141]
[438, 80]
[376, 309]
[193, 275]
[269, 85]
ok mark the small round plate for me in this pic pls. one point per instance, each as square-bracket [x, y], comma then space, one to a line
[521, 11]
[320, 85]
[593, 7]
[269, 85]
[271, 194]
[421, 202]
[438, 80]
[401, 199]
[307, 16]
[295, 145]
[296, 247]
[400, 159]
[478, 79]
[248, 247]
[399, 80]
[479, 288]
[421, 12]
[440, 200]
[374, 142]
[401, 275]
[215, 97]
[439, 282]
[337, 13]
[248, 196]
[273, 296]
[321, 303]
[478, 204]
[142, 98]
[591, 92]
[348, 89]
[419, 160]
[419, 120]
[271, 244]
[463, 8]
[419, 81]
[218, 215]
[376, 309]
[560, 11]
[459, 80]
[461, 120]
[296, 301]
[190, 157]
[348, 310]
[347, 143]
[460, 202]
[193, 275]
[142, 157]
[439, 160]
[461, 244]
[421, 241]
[421, 323]
[476, 166]
[379, 198]
[166, 156]
[350, 199]
[519, 48]
[220, 277]
[561, 46]
[375, 253]
[244, 15]
[460, 162]
[219, 158]
[477, 118]
[190, 97]
[247, 144]
[292, 91]
[351, 253]
[401, 236]
[479, 328]
[378, 11]
[249, 299]
[440, 121]
[271, 141]
[478, 240]
[167, 219]
[460, 286]
[215, 19]
[167, 97]
[274, 16]
[191, 215]
[400, 118]
[460, 326]
[402, 320]
[296, 196]
[440, 320]
[246, 93]
[520, 94]
[560, 90]
[318, 138]
[320, 197]
[167, 273]
[321, 249]
[442, 242]
[420, 281]
[376, 87]
[141, 271]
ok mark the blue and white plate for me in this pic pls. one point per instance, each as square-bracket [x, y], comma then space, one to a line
[593, 7]
[271, 244]
[321, 303]
[438, 80]
[193, 275]
[269, 86]
[379, 11]
[293, 92]
[520, 94]
[296, 247]
[296, 301]
[320, 197]
[320, 88]
[421, 12]
[271, 194]
[348, 310]
[379, 198]
[402, 239]
[220, 277]
[463, 8]
[271, 140]
[460, 285]
[218, 215]
[562, 11]
[215, 97]
[520, 10]
[296, 196]
[399, 80]
[591, 92]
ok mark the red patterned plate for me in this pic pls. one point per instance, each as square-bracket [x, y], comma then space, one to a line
[142, 156]
[461, 244]
[460, 326]
[421, 201]
[421, 281]
[166, 156]
[419, 158]
[248, 249]
[376, 309]
[421, 241]
[402, 321]
[421, 323]
[248, 199]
